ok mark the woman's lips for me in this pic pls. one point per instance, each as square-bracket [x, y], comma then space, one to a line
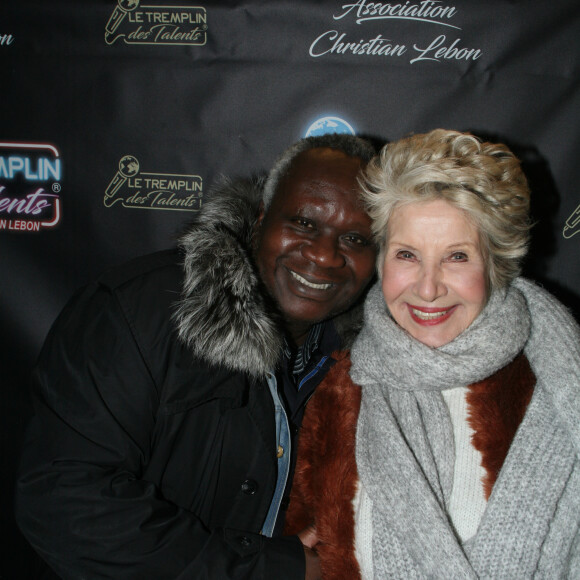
[427, 316]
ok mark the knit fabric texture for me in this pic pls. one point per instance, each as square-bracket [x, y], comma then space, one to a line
[405, 444]
[468, 501]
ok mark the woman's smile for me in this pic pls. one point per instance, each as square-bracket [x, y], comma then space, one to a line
[430, 316]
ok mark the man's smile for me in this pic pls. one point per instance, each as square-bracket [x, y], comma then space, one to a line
[315, 286]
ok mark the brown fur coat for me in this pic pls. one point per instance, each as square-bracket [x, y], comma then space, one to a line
[326, 477]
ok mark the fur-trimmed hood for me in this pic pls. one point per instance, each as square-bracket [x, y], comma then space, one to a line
[225, 315]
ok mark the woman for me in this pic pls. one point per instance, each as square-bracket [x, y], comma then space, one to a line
[462, 407]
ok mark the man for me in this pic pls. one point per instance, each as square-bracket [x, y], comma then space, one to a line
[169, 391]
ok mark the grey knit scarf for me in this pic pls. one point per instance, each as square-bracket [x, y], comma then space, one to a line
[405, 449]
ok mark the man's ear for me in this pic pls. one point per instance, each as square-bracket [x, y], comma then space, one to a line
[257, 224]
[261, 213]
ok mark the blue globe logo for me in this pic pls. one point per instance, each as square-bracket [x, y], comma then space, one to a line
[326, 125]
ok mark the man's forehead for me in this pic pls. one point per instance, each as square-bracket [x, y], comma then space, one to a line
[317, 185]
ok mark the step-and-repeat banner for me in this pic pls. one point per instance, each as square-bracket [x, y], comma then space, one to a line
[117, 117]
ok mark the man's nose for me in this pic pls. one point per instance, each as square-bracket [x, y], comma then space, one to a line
[324, 251]
[430, 284]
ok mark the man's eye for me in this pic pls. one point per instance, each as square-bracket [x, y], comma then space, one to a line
[303, 223]
[356, 240]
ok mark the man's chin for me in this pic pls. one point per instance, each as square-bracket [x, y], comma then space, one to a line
[313, 317]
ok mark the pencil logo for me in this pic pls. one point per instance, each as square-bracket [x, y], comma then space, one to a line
[572, 225]
[121, 10]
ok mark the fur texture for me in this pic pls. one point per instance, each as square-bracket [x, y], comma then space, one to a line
[326, 477]
[224, 316]
[496, 408]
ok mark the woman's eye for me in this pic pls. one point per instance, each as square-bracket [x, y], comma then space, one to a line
[405, 255]
[458, 257]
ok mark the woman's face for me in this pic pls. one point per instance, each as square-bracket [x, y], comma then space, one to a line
[434, 275]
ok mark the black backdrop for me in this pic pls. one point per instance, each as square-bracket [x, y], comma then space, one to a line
[117, 117]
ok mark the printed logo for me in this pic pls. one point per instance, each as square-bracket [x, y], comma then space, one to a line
[137, 23]
[572, 225]
[137, 189]
[433, 14]
[30, 175]
[329, 125]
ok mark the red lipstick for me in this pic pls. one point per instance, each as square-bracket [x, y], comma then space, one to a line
[429, 316]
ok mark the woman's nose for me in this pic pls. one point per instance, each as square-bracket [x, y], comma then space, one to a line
[430, 284]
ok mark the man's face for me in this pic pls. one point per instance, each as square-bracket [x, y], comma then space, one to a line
[314, 250]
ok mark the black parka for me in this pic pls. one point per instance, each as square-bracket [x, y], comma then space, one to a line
[151, 454]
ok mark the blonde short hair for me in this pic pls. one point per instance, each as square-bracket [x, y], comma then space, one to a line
[483, 179]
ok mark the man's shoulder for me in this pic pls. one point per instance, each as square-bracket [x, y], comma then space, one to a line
[133, 301]
[163, 265]
[146, 289]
